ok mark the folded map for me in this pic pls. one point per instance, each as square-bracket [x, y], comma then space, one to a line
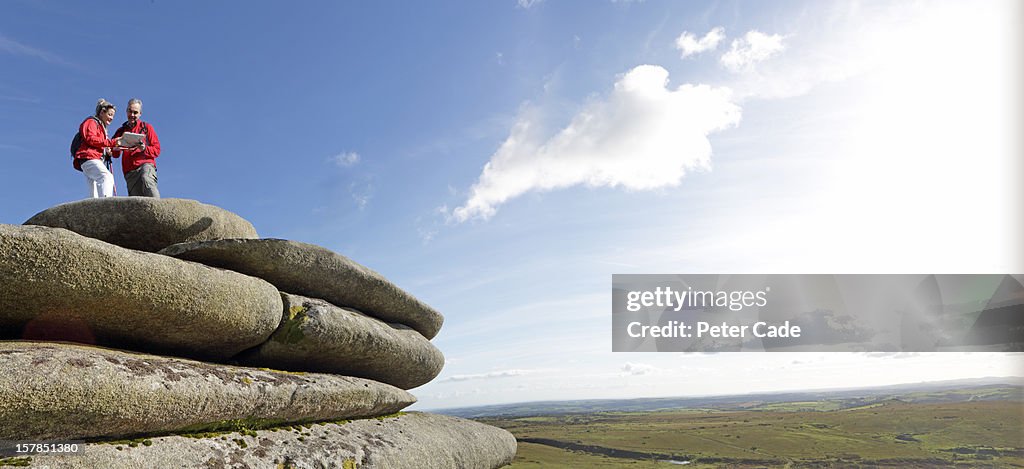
[129, 139]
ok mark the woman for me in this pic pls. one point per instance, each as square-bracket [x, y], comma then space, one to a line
[94, 147]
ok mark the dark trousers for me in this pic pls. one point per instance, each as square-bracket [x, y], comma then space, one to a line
[142, 181]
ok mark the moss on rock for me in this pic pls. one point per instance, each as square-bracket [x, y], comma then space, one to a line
[16, 462]
[290, 330]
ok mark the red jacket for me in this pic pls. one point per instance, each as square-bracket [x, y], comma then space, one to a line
[132, 159]
[94, 138]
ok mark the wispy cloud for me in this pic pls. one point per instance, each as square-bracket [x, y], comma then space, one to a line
[20, 99]
[428, 227]
[637, 369]
[361, 192]
[896, 355]
[360, 188]
[688, 44]
[526, 4]
[10, 46]
[490, 375]
[750, 49]
[345, 159]
[642, 136]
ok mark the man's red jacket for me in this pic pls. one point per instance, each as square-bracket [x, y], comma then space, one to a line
[132, 159]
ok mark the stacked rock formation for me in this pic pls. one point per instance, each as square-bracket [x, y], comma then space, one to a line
[171, 323]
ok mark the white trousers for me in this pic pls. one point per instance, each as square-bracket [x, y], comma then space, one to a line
[98, 178]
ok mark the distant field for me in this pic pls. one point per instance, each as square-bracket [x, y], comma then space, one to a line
[793, 434]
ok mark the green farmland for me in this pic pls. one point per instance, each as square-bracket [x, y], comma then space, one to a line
[891, 433]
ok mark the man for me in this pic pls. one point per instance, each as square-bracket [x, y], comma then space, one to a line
[139, 162]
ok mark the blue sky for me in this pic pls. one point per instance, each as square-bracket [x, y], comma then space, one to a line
[501, 160]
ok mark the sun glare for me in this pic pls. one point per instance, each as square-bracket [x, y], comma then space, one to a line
[930, 160]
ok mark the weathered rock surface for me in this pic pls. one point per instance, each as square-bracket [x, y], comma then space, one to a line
[66, 391]
[412, 440]
[104, 285]
[145, 223]
[318, 336]
[316, 272]
[58, 285]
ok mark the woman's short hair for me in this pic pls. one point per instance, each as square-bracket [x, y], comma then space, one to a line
[102, 105]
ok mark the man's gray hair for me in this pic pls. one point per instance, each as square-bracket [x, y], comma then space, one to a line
[134, 101]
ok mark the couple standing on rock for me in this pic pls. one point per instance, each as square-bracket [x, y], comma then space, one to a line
[138, 159]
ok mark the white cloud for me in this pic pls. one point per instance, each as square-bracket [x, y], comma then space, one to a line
[896, 355]
[637, 369]
[688, 44]
[750, 49]
[345, 159]
[426, 234]
[490, 375]
[643, 136]
[526, 4]
[361, 192]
